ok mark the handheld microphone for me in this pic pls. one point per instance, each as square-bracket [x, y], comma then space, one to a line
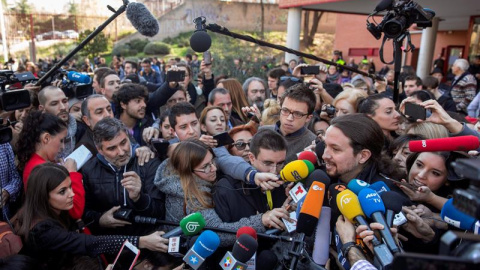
[456, 218]
[200, 41]
[267, 260]
[311, 209]
[295, 171]
[79, 77]
[356, 185]
[315, 176]
[373, 207]
[393, 203]
[141, 19]
[308, 155]
[189, 225]
[205, 246]
[243, 250]
[460, 143]
[333, 191]
[321, 246]
[380, 187]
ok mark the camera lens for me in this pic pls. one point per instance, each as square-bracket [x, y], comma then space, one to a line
[394, 27]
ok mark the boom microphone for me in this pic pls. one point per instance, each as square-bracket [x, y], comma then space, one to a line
[205, 246]
[142, 19]
[456, 218]
[79, 77]
[460, 143]
[200, 41]
[311, 209]
[189, 225]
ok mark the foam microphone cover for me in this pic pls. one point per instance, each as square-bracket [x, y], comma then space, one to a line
[142, 19]
[200, 41]
[333, 191]
[247, 230]
[370, 202]
[206, 244]
[457, 218]
[320, 253]
[192, 224]
[380, 187]
[317, 175]
[356, 185]
[311, 209]
[266, 260]
[393, 201]
[349, 205]
[244, 248]
[79, 77]
[460, 143]
[310, 166]
[294, 171]
[308, 155]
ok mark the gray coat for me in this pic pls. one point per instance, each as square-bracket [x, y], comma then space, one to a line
[168, 182]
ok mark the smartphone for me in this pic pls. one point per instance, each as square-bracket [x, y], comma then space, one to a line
[207, 58]
[405, 184]
[161, 146]
[223, 139]
[415, 112]
[123, 214]
[127, 257]
[175, 76]
[310, 70]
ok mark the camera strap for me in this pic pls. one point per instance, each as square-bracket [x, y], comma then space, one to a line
[381, 52]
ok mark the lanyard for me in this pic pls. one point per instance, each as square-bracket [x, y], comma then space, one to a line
[269, 199]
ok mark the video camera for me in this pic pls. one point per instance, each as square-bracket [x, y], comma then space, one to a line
[75, 84]
[400, 16]
[14, 99]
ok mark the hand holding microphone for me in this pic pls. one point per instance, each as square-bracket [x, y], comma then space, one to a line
[273, 218]
[367, 234]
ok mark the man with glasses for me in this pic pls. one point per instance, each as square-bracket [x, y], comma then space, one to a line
[256, 91]
[268, 150]
[296, 111]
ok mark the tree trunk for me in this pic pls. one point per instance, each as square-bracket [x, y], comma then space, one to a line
[262, 6]
[308, 39]
[305, 27]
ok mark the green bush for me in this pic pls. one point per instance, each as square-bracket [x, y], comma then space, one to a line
[123, 49]
[138, 44]
[156, 47]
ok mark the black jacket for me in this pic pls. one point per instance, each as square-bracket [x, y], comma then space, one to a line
[103, 191]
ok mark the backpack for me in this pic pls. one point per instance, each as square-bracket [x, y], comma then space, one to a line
[10, 243]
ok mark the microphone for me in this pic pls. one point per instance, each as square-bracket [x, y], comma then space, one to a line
[311, 209]
[243, 250]
[200, 41]
[205, 246]
[321, 245]
[141, 19]
[79, 77]
[308, 155]
[456, 218]
[373, 207]
[267, 260]
[460, 143]
[295, 171]
[333, 191]
[393, 203]
[380, 187]
[247, 230]
[356, 185]
[314, 176]
[383, 5]
[189, 225]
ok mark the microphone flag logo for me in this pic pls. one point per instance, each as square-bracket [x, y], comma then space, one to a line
[193, 259]
[227, 262]
[192, 226]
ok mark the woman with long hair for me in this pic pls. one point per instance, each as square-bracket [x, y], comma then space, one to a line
[381, 109]
[213, 120]
[49, 233]
[237, 95]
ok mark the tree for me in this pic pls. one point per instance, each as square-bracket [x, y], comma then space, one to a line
[22, 7]
[262, 29]
[72, 8]
[96, 46]
[309, 34]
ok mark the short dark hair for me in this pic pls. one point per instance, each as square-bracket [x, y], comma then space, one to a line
[99, 73]
[181, 108]
[415, 78]
[107, 129]
[269, 140]
[134, 64]
[105, 75]
[301, 93]
[423, 95]
[276, 73]
[214, 92]
[369, 104]
[147, 61]
[127, 92]
[401, 140]
[430, 82]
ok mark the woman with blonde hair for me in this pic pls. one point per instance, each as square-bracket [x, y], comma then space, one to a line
[237, 95]
[271, 113]
[428, 130]
[346, 101]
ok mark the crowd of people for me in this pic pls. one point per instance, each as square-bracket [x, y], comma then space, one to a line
[65, 215]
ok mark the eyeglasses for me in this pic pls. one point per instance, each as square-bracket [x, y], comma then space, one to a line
[293, 79]
[241, 145]
[286, 112]
[272, 165]
[207, 168]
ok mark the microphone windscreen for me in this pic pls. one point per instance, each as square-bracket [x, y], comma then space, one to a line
[320, 149]
[356, 185]
[308, 155]
[457, 218]
[311, 209]
[384, 4]
[244, 248]
[370, 202]
[393, 201]
[333, 191]
[294, 171]
[380, 187]
[206, 244]
[200, 41]
[310, 166]
[247, 230]
[192, 224]
[79, 77]
[306, 224]
[460, 143]
[320, 253]
[266, 260]
[349, 205]
[317, 175]
[142, 19]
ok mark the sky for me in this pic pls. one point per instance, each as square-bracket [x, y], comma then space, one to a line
[57, 6]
